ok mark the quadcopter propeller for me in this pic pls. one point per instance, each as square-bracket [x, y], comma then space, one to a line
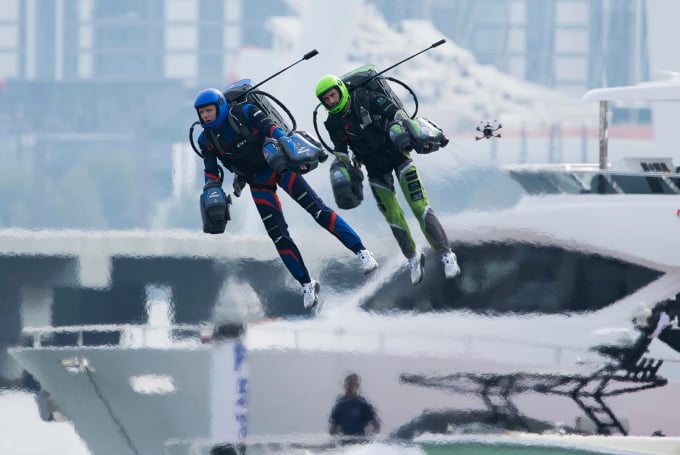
[488, 130]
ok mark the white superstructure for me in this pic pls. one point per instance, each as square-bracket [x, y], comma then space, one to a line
[608, 246]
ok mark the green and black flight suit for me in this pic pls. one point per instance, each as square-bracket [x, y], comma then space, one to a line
[363, 128]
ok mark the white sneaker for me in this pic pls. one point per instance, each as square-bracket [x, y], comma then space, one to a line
[451, 267]
[368, 262]
[310, 294]
[417, 266]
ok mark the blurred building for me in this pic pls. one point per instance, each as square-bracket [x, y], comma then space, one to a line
[564, 44]
[567, 45]
[570, 45]
[86, 77]
[128, 40]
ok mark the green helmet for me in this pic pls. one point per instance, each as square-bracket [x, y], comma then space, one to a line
[327, 83]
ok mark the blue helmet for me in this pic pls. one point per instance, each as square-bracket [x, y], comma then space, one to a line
[212, 96]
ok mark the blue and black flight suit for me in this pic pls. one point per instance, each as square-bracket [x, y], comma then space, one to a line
[243, 156]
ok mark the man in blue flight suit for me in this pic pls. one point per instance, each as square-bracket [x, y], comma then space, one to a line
[243, 156]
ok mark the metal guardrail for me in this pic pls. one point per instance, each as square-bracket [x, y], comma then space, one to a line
[573, 180]
[337, 340]
[318, 339]
[128, 334]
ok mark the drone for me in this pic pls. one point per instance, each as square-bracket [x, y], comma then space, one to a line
[488, 130]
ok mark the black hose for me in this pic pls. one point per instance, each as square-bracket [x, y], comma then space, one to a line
[281, 105]
[413, 94]
[191, 139]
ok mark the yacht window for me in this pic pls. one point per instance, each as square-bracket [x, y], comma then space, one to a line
[602, 184]
[555, 182]
[516, 278]
[640, 184]
[548, 182]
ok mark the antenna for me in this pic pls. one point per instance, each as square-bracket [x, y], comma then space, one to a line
[432, 46]
[307, 56]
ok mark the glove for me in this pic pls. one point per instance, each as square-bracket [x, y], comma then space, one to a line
[343, 157]
[238, 184]
[401, 115]
[400, 136]
[275, 156]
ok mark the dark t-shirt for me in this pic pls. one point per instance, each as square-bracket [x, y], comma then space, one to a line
[352, 415]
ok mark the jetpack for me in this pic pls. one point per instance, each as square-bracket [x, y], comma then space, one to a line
[297, 151]
[424, 135]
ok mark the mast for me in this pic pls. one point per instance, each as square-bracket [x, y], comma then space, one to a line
[603, 134]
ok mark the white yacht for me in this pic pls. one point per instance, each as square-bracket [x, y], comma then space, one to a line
[537, 333]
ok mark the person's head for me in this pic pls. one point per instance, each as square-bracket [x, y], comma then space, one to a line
[352, 383]
[333, 93]
[211, 107]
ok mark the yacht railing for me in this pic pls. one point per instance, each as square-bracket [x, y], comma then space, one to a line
[311, 340]
[434, 345]
[581, 181]
[515, 351]
[126, 335]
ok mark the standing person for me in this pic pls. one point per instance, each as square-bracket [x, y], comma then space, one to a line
[366, 122]
[352, 414]
[244, 157]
